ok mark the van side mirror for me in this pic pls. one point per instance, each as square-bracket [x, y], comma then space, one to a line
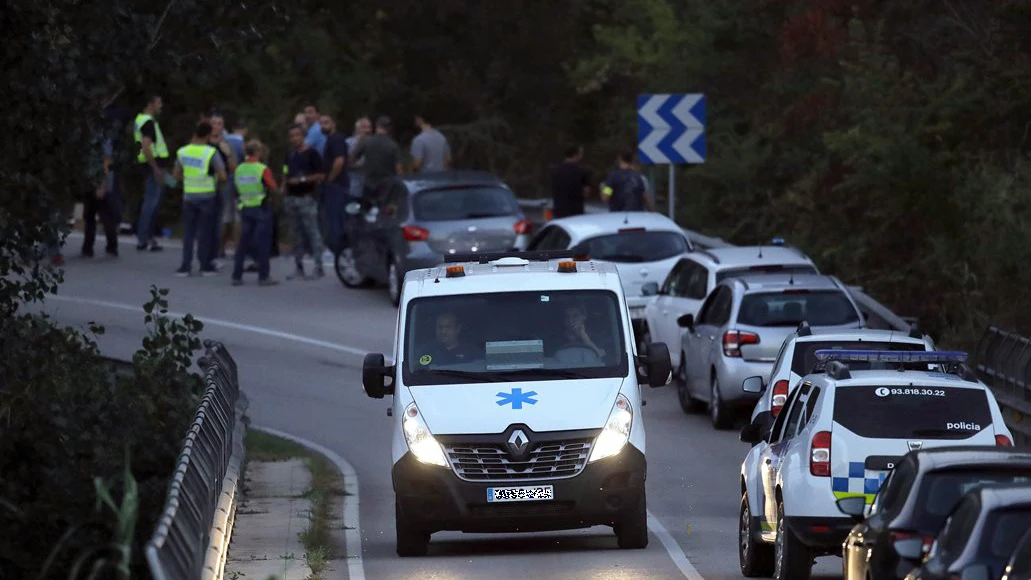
[751, 433]
[854, 507]
[375, 373]
[753, 385]
[910, 549]
[650, 289]
[658, 369]
[686, 321]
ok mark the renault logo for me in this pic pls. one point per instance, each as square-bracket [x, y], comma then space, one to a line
[518, 442]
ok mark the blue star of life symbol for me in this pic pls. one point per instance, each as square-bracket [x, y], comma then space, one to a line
[516, 398]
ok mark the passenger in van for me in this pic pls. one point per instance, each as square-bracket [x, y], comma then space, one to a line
[449, 348]
[575, 332]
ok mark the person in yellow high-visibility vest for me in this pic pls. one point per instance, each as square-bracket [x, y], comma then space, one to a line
[153, 161]
[200, 169]
[254, 183]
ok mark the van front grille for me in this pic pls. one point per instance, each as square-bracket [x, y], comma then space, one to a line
[493, 462]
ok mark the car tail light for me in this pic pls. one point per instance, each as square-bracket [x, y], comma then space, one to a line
[415, 233]
[1003, 441]
[820, 455]
[521, 227]
[780, 396]
[733, 340]
[926, 540]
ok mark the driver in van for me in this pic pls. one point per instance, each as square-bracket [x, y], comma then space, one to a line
[575, 333]
[448, 348]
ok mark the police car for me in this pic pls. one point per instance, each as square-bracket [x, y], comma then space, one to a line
[797, 356]
[840, 433]
[516, 399]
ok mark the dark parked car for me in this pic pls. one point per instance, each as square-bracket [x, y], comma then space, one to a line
[425, 217]
[979, 536]
[915, 500]
[1019, 566]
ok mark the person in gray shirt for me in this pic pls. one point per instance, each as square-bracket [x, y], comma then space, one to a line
[430, 149]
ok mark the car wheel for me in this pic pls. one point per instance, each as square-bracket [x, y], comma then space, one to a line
[411, 541]
[721, 416]
[688, 403]
[755, 556]
[347, 270]
[792, 559]
[632, 532]
[394, 282]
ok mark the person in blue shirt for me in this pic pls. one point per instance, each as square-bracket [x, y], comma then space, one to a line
[315, 139]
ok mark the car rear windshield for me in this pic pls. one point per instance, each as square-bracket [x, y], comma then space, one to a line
[462, 203]
[764, 269]
[804, 358]
[896, 412]
[1003, 530]
[635, 246]
[789, 308]
[941, 490]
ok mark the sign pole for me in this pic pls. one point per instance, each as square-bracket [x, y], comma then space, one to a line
[672, 191]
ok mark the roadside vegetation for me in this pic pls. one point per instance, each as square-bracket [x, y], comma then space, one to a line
[326, 484]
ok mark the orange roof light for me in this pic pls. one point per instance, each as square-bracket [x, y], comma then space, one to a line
[455, 271]
[567, 266]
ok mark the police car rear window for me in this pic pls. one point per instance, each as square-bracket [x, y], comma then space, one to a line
[881, 412]
[804, 358]
[941, 490]
[765, 269]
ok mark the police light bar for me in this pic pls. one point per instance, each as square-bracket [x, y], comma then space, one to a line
[777, 241]
[891, 356]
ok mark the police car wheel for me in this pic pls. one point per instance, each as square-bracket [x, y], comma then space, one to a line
[792, 559]
[688, 404]
[718, 410]
[632, 533]
[411, 541]
[346, 269]
[754, 555]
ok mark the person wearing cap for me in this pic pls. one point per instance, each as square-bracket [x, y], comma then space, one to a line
[382, 162]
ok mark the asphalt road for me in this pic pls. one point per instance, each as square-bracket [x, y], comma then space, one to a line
[299, 348]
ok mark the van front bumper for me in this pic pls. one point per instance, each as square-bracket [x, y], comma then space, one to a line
[606, 492]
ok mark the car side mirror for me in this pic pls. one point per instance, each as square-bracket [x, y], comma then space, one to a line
[910, 549]
[975, 572]
[658, 369]
[650, 289]
[686, 321]
[854, 507]
[753, 385]
[375, 373]
[751, 433]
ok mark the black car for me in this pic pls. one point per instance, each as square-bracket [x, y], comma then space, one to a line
[979, 536]
[914, 501]
[1019, 566]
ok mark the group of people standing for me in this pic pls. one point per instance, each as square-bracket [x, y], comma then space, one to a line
[226, 181]
[624, 189]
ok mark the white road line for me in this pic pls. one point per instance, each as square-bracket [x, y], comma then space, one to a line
[675, 552]
[673, 549]
[217, 322]
[352, 522]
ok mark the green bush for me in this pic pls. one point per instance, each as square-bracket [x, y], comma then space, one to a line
[74, 438]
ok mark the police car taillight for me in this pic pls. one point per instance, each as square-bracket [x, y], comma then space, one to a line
[820, 455]
[1003, 441]
[733, 340]
[522, 227]
[780, 396]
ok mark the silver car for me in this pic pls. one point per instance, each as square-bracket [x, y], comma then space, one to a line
[424, 218]
[740, 328]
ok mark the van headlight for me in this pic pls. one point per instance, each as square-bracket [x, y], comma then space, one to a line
[420, 441]
[616, 432]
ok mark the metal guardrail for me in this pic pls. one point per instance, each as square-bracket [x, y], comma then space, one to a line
[192, 535]
[1002, 361]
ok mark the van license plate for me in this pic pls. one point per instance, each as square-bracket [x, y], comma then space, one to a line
[528, 493]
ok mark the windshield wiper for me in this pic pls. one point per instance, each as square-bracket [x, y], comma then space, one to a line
[551, 373]
[934, 432]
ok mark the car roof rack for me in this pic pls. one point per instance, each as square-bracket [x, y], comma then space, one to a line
[914, 331]
[533, 256]
[951, 362]
[838, 370]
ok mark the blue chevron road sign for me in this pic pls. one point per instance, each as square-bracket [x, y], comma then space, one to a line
[671, 129]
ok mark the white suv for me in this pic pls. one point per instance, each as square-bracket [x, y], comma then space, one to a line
[839, 435]
[506, 421]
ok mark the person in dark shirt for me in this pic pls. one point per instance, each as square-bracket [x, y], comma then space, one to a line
[382, 162]
[304, 170]
[449, 348]
[625, 187]
[570, 184]
[336, 189]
